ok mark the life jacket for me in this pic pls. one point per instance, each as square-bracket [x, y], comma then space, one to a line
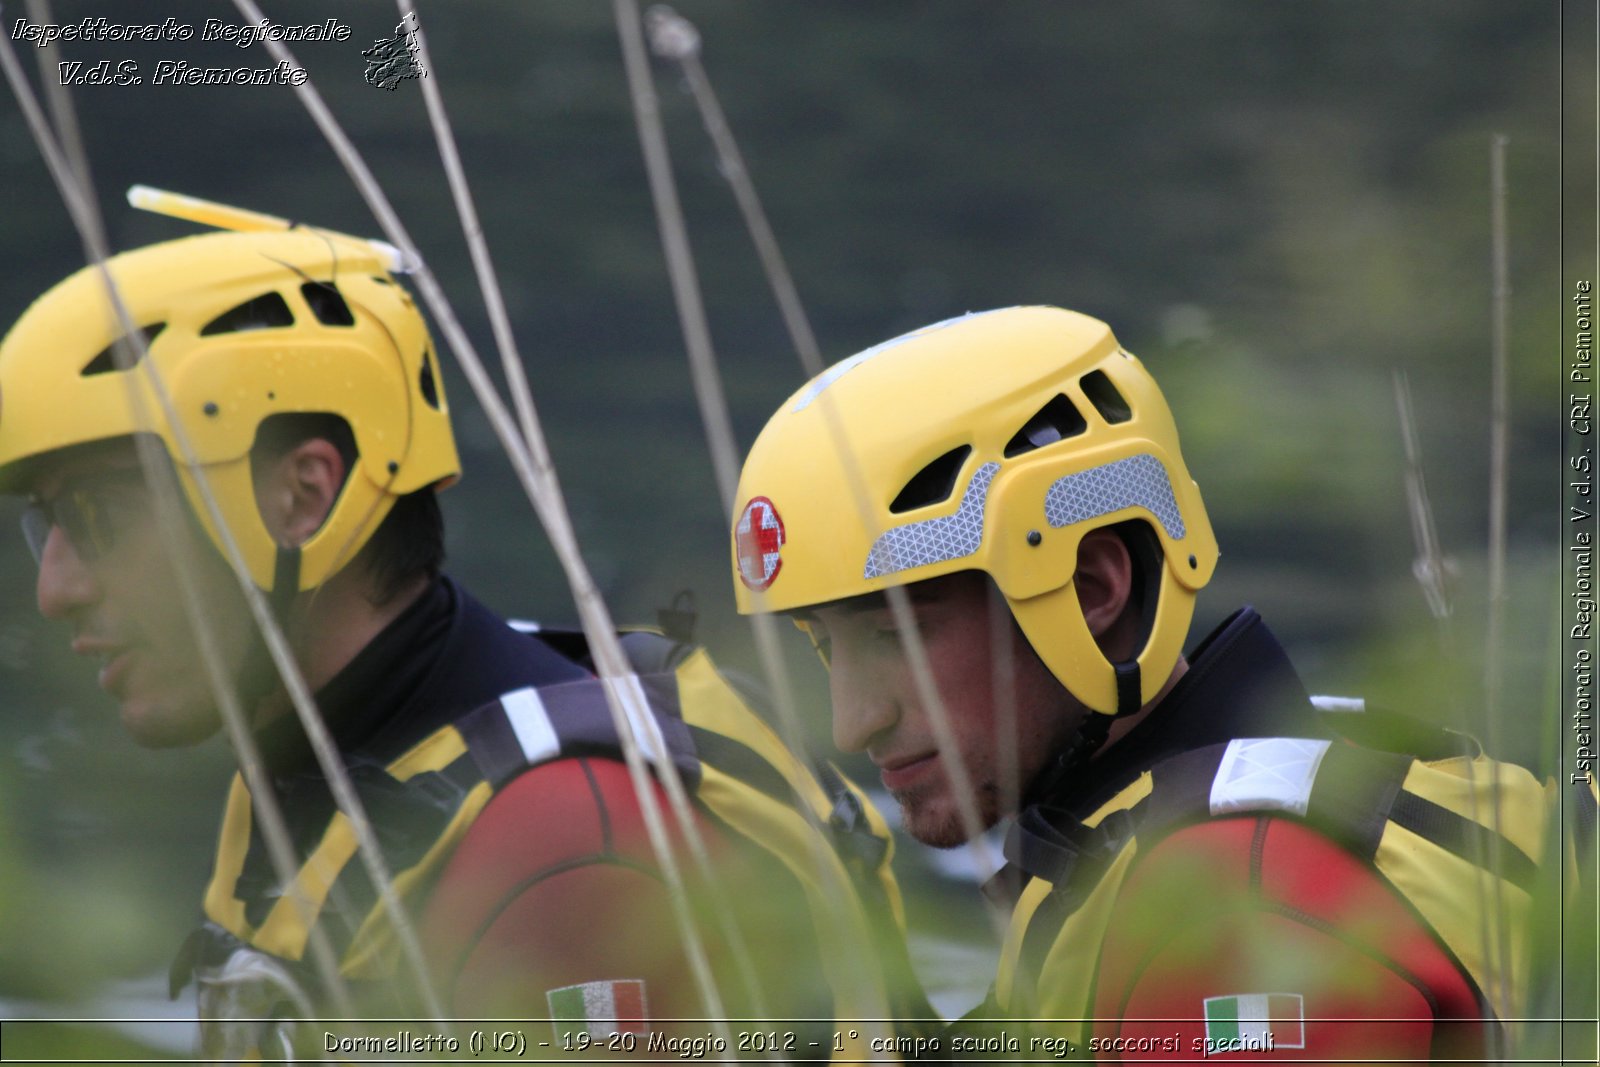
[251, 961]
[1458, 835]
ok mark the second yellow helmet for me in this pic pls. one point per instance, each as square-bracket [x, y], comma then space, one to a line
[989, 442]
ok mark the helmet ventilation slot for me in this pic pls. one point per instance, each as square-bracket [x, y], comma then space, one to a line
[106, 361]
[265, 312]
[326, 303]
[933, 483]
[425, 382]
[1105, 398]
[1056, 421]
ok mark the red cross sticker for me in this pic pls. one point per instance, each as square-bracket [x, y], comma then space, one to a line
[758, 536]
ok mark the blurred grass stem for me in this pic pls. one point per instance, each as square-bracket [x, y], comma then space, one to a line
[675, 38]
[522, 397]
[530, 460]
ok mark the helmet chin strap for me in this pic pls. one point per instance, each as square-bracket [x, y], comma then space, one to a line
[1092, 731]
[286, 581]
[258, 675]
[1129, 685]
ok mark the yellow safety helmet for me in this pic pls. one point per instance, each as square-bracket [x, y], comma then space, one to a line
[989, 442]
[240, 327]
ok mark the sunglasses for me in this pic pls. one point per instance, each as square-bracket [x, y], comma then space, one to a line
[94, 515]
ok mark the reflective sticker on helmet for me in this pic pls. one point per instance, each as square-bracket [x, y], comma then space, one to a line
[1137, 481]
[844, 366]
[917, 544]
[759, 538]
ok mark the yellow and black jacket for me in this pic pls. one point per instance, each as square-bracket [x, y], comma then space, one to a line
[820, 837]
[1459, 837]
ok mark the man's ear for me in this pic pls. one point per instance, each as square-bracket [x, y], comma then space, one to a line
[296, 491]
[1104, 580]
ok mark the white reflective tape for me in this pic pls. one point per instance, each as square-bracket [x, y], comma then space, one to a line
[1345, 705]
[1134, 481]
[531, 723]
[636, 708]
[937, 540]
[843, 367]
[1267, 774]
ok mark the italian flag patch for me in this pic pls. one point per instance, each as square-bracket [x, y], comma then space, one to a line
[1256, 1021]
[599, 1009]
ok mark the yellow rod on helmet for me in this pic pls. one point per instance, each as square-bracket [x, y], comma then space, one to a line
[241, 220]
[205, 212]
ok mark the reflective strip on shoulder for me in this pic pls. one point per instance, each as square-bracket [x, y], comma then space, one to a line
[639, 709]
[1264, 774]
[530, 726]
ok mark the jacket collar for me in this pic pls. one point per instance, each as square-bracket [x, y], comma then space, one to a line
[1240, 683]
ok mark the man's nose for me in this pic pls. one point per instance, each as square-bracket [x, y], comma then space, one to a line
[66, 583]
[864, 706]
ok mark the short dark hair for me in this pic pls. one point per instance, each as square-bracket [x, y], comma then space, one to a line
[407, 545]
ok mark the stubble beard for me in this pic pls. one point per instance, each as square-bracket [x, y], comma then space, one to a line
[932, 817]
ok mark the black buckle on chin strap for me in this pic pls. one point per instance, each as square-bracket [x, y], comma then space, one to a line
[285, 580]
[1128, 687]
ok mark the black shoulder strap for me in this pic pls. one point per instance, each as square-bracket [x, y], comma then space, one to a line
[534, 725]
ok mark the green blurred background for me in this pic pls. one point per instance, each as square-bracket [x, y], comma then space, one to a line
[1276, 205]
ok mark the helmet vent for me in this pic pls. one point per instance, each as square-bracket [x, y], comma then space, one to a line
[1054, 422]
[265, 312]
[933, 483]
[326, 304]
[106, 361]
[1105, 398]
[425, 382]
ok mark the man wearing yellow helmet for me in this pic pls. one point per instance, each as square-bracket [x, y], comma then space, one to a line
[1195, 866]
[285, 386]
